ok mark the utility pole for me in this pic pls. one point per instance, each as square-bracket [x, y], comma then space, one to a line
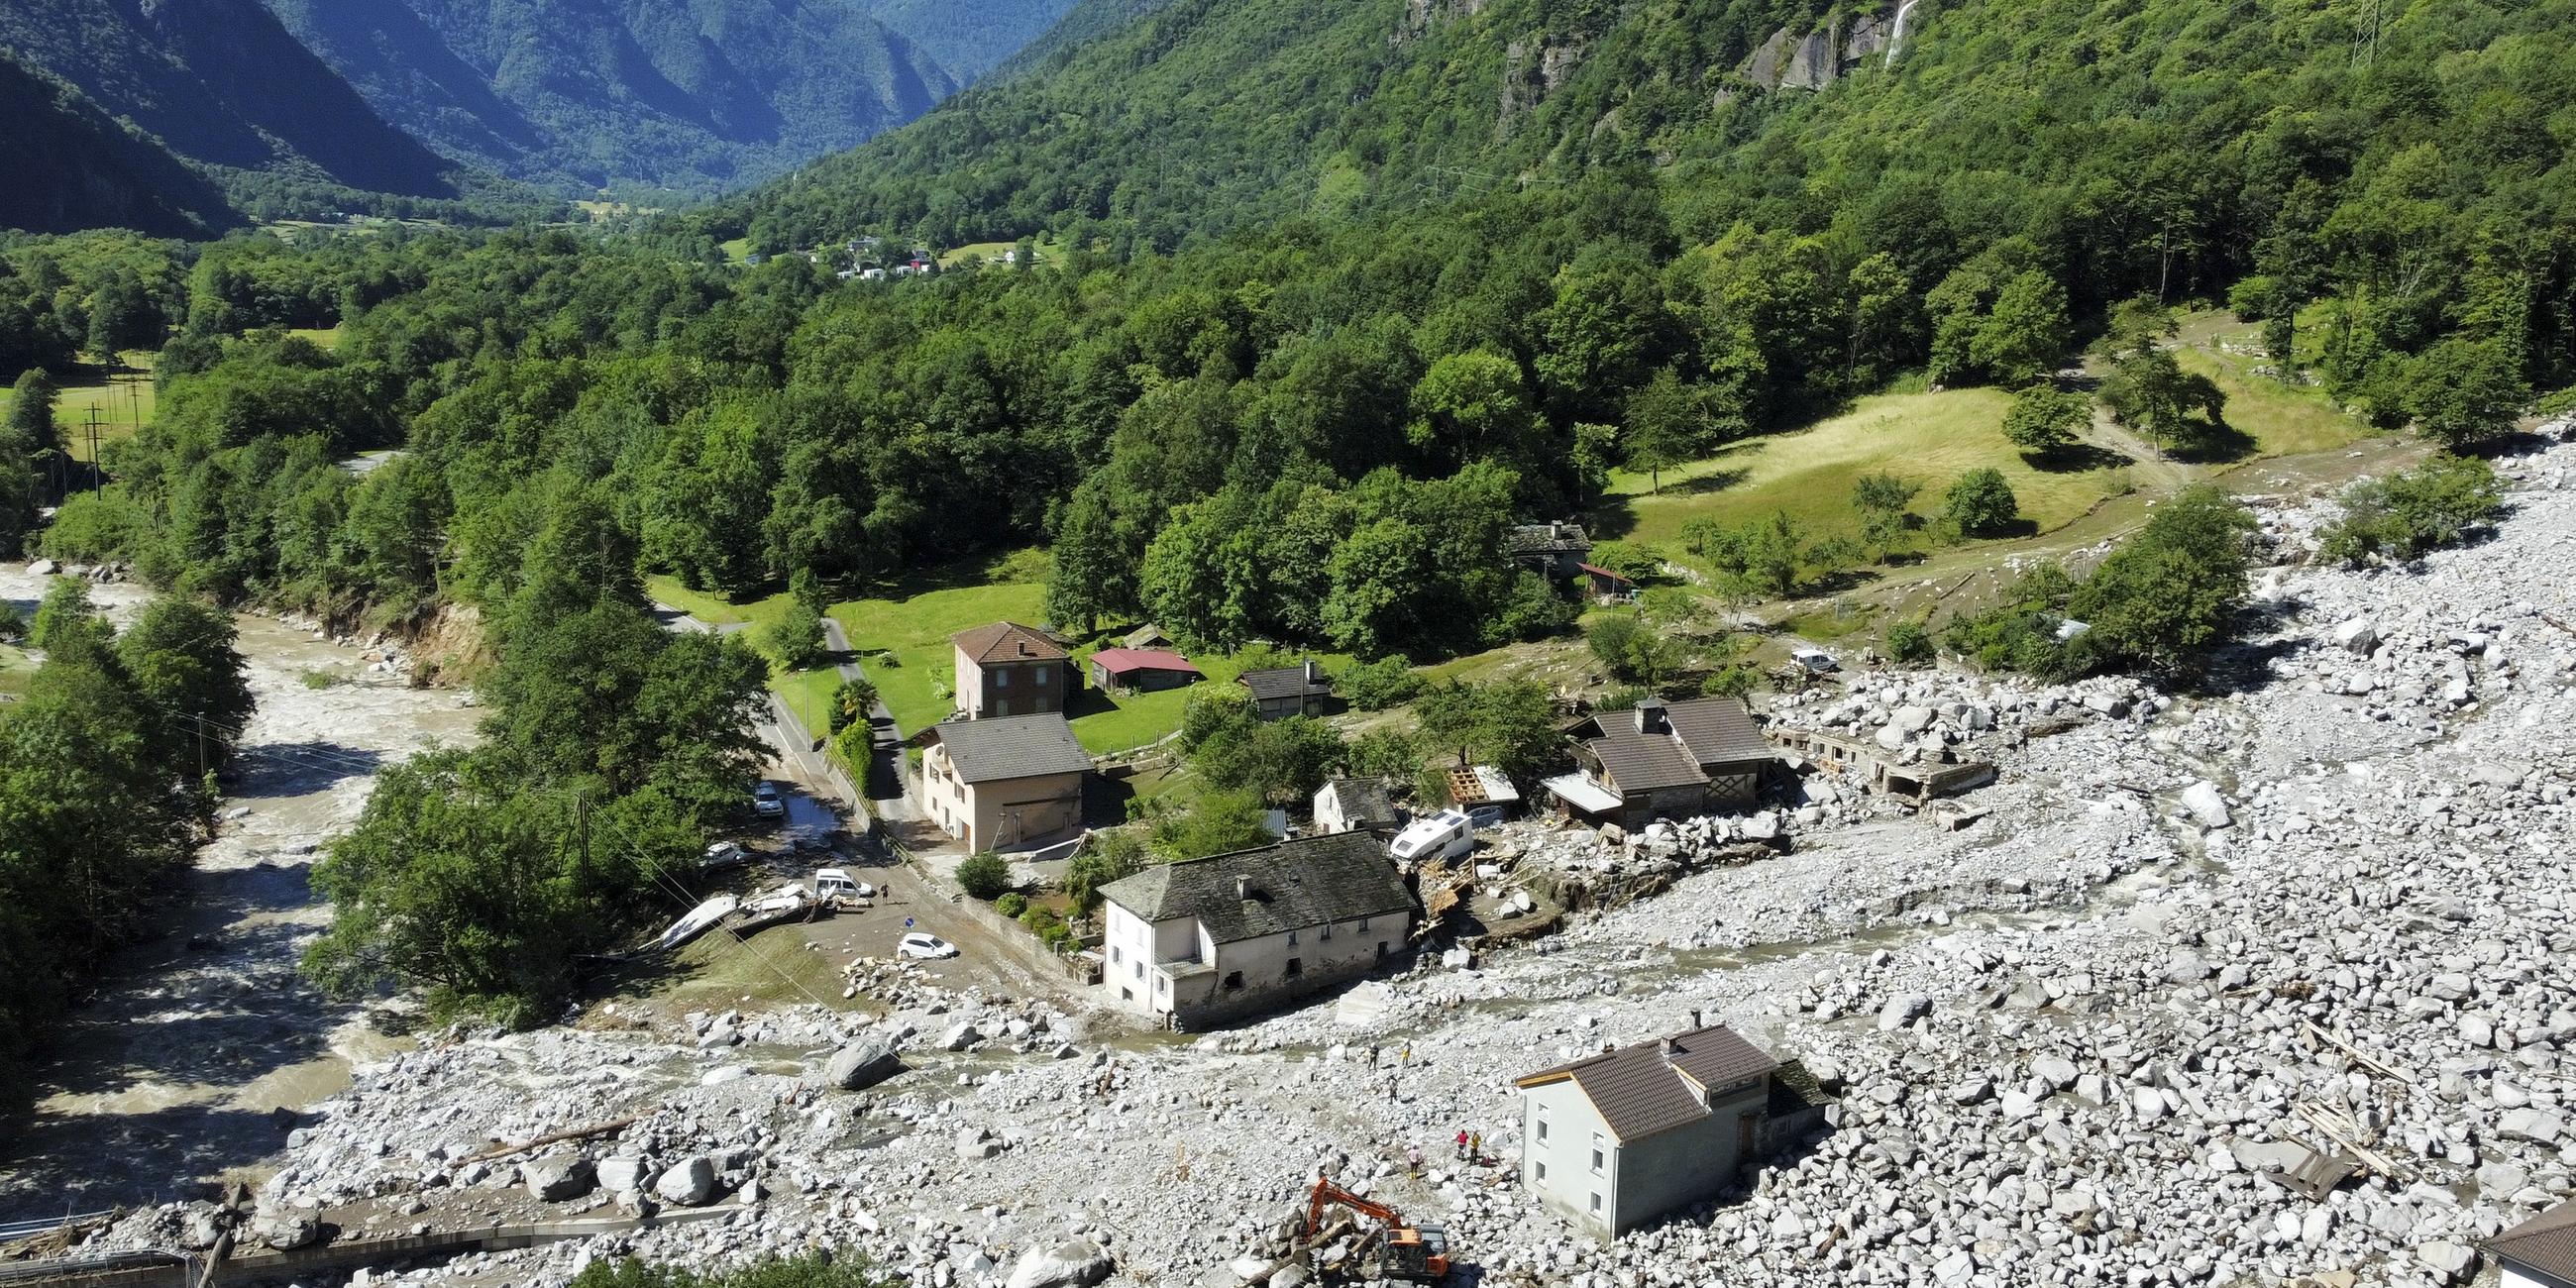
[94, 477]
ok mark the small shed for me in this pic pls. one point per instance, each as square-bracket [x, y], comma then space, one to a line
[1280, 692]
[1145, 669]
[1606, 584]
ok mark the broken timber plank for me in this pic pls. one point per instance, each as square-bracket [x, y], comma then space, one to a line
[577, 1133]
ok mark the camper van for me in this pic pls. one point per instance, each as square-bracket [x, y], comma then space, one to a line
[1444, 835]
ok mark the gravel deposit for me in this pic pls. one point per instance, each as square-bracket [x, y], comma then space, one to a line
[2076, 1041]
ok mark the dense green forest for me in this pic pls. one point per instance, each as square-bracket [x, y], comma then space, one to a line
[105, 785]
[969, 40]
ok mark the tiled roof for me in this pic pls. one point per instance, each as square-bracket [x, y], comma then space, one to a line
[1363, 801]
[1704, 732]
[2545, 1243]
[1118, 661]
[1546, 538]
[987, 751]
[1007, 642]
[1285, 682]
[1295, 884]
[1648, 1089]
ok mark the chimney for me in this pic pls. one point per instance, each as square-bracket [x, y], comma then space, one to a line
[1696, 1026]
[1651, 718]
[1667, 1044]
[1556, 529]
[1242, 887]
[1314, 673]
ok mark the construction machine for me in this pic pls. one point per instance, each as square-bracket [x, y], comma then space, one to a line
[1401, 1251]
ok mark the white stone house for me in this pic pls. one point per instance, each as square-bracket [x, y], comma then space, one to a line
[1616, 1139]
[2540, 1252]
[1354, 805]
[1188, 944]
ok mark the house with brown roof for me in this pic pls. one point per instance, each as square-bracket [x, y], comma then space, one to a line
[1664, 760]
[1616, 1139]
[1006, 669]
[2540, 1252]
[1282, 691]
[1004, 782]
[1197, 942]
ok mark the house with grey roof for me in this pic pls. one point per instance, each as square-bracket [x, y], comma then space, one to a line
[1005, 782]
[2540, 1252]
[1199, 942]
[1282, 691]
[1355, 805]
[1554, 550]
[1616, 1139]
[1664, 760]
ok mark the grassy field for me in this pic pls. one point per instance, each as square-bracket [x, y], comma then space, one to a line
[809, 695]
[1929, 438]
[735, 250]
[2283, 420]
[124, 398]
[902, 637]
[981, 251]
[327, 338]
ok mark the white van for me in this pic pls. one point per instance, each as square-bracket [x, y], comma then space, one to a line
[836, 882]
[1444, 835]
[1815, 661]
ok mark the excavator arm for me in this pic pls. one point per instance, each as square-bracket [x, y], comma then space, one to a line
[1327, 1194]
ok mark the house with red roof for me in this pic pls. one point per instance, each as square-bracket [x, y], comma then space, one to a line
[1142, 669]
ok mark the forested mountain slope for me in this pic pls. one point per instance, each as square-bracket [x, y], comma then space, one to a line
[690, 96]
[221, 83]
[95, 172]
[969, 39]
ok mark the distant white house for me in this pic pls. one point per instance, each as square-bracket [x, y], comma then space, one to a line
[1616, 1139]
[1354, 805]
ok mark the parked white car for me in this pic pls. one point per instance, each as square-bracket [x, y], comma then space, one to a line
[924, 946]
[766, 802]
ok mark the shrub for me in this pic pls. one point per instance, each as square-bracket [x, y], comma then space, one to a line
[2168, 594]
[1734, 680]
[1634, 562]
[2400, 517]
[1375, 686]
[986, 876]
[796, 640]
[1107, 857]
[1909, 642]
[1623, 698]
[1981, 504]
[1011, 904]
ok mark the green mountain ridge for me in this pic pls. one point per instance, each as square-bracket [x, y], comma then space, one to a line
[98, 171]
[576, 95]
[969, 40]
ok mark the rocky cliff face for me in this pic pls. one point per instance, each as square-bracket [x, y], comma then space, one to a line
[1819, 57]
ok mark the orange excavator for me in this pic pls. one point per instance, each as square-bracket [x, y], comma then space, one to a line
[1403, 1251]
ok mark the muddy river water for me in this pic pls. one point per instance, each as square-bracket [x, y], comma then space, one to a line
[174, 1074]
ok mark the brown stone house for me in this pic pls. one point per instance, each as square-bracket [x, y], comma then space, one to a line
[1669, 760]
[1004, 782]
[1007, 669]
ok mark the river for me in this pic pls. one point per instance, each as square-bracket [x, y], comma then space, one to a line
[171, 1077]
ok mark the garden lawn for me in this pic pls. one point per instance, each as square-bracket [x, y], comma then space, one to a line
[2283, 420]
[1930, 438]
[808, 694]
[713, 608]
[902, 637]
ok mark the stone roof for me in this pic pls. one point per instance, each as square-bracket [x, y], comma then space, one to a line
[1292, 886]
[2545, 1243]
[987, 751]
[1363, 801]
[1547, 538]
[1007, 642]
[1653, 1087]
[1273, 683]
[1677, 750]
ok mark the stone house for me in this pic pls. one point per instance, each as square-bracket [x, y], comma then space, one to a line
[1664, 760]
[1555, 551]
[1193, 943]
[1616, 1139]
[1354, 805]
[1006, 782]
[2540, 1252]
[1283, 691]
[1006, 669]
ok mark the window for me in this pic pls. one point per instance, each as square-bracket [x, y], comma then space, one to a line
[1292, 939]
[1541, 1133]
[1363, 925]
[1233, 980]
[1296, 967]
[1326, 932]
[1596, 1202]
[1542, 1171]
[1001, 679]
[1161, 986]
[1126, 994]
[1140, 969]
[1114, 958]
[1042, 677]
[1599, 1154]
[1001, 706]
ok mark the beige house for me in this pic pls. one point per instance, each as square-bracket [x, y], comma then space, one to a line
[1616, 1139]
[1009, 782]
[1007, 669]
[1193, 943]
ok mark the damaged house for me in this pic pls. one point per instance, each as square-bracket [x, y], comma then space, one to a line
[1664, 760]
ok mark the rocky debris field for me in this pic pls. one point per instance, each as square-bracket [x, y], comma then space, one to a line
[2195, 942]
